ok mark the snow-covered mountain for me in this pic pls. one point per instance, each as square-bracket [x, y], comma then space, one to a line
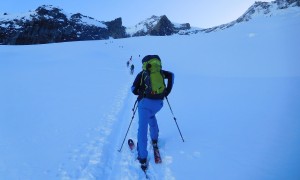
[48, 24]
[158, 26]
[260, 9]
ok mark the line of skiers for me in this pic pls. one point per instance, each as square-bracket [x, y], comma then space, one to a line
[130, 66]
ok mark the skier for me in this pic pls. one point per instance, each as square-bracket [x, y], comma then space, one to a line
[131, 69]
[149, 103]
[127, 63]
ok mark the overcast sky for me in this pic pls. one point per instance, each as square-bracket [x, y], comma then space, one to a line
[199, 13]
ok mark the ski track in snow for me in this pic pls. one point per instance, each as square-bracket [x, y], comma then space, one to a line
[90, 164]
[89, 156]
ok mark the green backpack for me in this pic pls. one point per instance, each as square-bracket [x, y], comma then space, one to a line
[152, 77]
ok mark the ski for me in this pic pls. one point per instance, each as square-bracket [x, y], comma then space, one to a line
[157, 157]
[131, 144]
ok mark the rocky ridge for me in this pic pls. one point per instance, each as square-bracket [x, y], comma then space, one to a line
[49, 24]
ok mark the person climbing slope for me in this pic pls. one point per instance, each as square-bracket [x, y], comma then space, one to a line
[149, 85]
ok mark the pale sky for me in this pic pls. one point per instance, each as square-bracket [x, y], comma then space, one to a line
[199, 13]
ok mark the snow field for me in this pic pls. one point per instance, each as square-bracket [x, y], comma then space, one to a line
[65, 108]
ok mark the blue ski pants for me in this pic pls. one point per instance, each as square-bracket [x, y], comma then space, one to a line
[147, 109]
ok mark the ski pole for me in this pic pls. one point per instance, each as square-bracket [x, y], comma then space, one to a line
[174, 119]
[134, 110]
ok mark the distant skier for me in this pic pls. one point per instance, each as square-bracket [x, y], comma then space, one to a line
[127, 63]
[131, 69]
[151, 91]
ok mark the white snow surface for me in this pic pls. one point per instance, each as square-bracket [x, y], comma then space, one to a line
[65, 108]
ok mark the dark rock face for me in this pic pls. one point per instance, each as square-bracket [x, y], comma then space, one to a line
[283, 4]
[49, 25]
[41, 29]
[115, 28]
[164, 27]
[159, 26]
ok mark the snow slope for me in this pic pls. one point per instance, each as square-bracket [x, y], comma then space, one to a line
[65, 108]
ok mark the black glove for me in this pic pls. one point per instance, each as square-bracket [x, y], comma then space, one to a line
[135, 91]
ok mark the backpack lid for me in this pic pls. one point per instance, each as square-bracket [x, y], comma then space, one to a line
[149, 57]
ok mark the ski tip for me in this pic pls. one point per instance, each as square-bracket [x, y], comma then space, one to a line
[130, 141]
[158, 161]
[131, 144]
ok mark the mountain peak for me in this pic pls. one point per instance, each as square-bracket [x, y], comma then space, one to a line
[259, 9]
[46, 8]
[157, 26]
[266, 8]
[51, 12]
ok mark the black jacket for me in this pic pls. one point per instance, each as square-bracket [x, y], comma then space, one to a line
[138, 89]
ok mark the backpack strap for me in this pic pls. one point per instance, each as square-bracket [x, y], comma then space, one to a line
[143, 83]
